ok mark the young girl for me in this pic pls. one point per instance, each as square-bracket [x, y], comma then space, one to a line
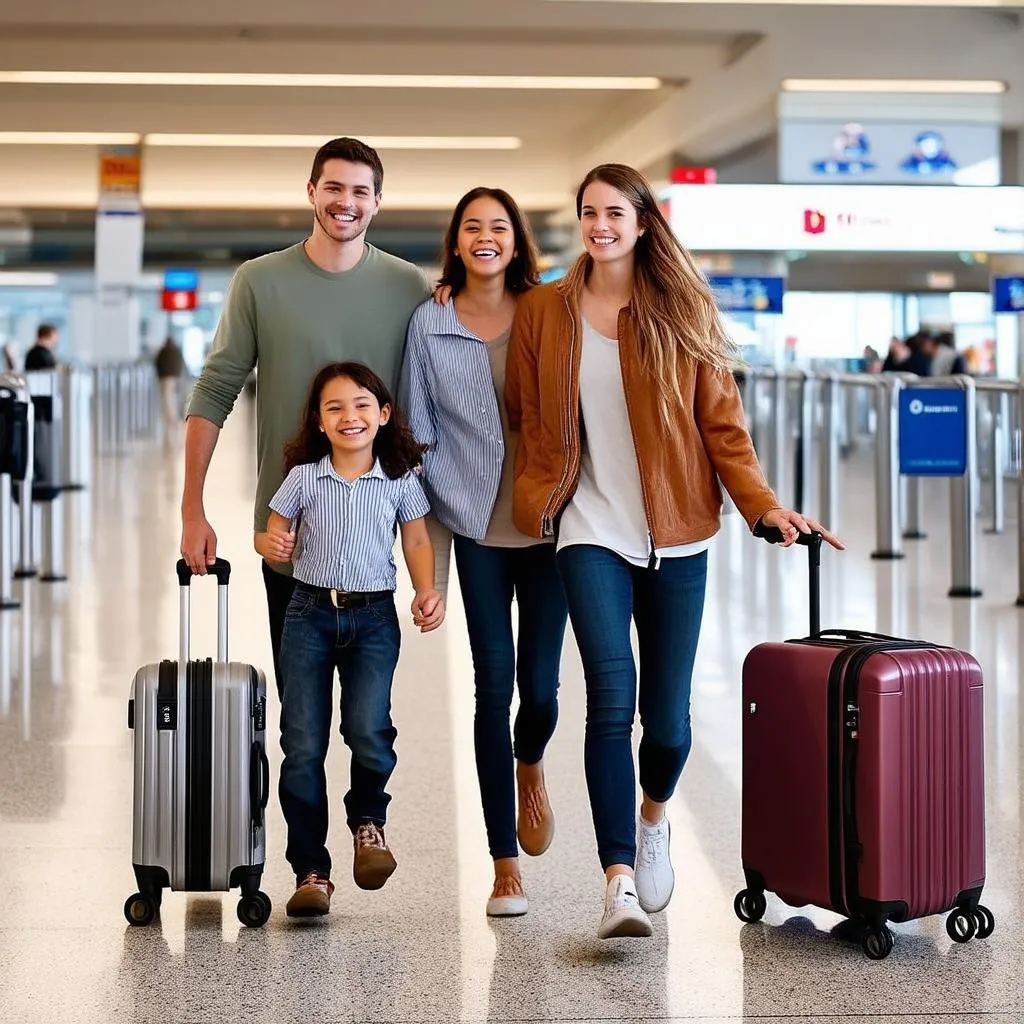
[619, 382]
[348, 476]
[453, 388]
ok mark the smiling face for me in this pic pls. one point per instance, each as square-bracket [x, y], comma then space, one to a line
[486, 241]
[343, 200]
[350, 415]
[609, 225]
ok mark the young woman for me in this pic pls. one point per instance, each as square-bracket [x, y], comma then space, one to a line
[619, 383]
[453, 390]
[349, 477]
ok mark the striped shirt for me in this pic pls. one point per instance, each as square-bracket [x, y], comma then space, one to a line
[447, 392]
[346, 537]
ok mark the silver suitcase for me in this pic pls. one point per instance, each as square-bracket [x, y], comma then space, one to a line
[202, 779]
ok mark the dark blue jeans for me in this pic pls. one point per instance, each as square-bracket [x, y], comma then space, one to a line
[604, 592]
[488, 578]
[362, 644]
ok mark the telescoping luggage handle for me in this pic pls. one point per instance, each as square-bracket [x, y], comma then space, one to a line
[812, 541]
[221, 568]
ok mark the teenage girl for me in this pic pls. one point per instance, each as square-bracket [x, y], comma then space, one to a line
[453, 388]
[349, 481]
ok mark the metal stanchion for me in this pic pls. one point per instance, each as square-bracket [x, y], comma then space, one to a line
[997, 466]
[780, 429]
[1019, 458]
[805, 489]
[828, 471]
[887, 470]
[912, 528]
[26, 566]
[963, 497]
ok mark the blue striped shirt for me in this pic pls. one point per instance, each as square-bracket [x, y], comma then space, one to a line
[447, 393]
[346, 536]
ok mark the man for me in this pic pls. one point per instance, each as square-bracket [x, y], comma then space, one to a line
[332, 297]
[40, 356]
[170, 365]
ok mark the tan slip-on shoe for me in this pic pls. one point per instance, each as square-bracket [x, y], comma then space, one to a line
[535, 825]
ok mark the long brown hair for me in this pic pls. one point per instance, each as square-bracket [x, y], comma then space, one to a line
[673, 308]
[521, 274]
[396, 448]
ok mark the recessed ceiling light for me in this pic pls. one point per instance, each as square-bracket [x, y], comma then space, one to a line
[893, 85]
[69, 138]
[329, 81]
[232, 141]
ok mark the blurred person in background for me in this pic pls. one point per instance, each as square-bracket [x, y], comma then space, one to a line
[947, 360]
[170, 365]
[40, 356]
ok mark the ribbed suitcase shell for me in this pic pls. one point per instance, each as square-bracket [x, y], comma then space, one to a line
[198, 794]
[918, 794]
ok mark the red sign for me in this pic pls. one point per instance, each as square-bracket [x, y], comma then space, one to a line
[176, 302]
[693, 176]
[814, 222]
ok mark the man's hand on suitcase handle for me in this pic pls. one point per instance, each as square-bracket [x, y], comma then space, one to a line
[786, 527]
[198, 542]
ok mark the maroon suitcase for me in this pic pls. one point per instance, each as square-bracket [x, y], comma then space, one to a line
[863, 780]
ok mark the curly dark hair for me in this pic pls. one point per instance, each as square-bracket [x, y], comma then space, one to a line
[399, 452]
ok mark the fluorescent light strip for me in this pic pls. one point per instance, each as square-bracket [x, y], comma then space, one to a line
[818, 3]
[231, 141]
[329, 81]
[27, 279]
[894, 85]
[69, 138]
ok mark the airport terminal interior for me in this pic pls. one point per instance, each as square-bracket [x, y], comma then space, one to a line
[848, 176]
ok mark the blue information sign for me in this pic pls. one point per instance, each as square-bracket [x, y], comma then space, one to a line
[181, 280]
[1008, 294]
[933, 432]
[739, 294]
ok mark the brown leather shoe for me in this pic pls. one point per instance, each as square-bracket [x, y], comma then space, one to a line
[312, 897]
[373, 863]
[535, 826]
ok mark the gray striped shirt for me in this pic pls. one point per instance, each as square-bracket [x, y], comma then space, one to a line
[447, 393]
[346, 537]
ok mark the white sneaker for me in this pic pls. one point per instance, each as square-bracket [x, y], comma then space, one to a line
[507, 899]
[623, 917]
[655, 878]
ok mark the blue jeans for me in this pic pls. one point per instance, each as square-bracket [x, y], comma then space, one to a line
[604, 592]
[488, 578]
[362, 644]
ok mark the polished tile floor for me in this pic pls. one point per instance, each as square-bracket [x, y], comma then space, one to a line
[422, 950]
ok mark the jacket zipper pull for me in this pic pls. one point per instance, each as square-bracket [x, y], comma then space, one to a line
[653, 562]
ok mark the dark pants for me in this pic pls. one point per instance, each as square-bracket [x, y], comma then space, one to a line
[279, 594]
[362, 644]
[489, 577]
[604, 592]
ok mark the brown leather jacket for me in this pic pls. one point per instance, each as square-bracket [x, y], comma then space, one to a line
[680, 463]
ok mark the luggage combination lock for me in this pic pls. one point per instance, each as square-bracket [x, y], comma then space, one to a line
[852, 720]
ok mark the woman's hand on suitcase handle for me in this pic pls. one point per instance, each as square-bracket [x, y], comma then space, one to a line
[791, 524]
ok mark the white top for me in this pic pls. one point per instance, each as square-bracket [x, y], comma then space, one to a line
[607, 509]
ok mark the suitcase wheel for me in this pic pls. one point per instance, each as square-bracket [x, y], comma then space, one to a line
[140, 910]
[254, 911]
[986, 922]
[750, 905]
[962, 925]
[877, 942]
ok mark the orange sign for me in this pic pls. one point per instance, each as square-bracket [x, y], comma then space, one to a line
[120, 171]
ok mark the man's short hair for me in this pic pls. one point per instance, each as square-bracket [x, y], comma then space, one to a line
[355, 152]
[45, 332]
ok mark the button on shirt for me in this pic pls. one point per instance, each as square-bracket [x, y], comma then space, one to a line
[346, 539]
[447, 392]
